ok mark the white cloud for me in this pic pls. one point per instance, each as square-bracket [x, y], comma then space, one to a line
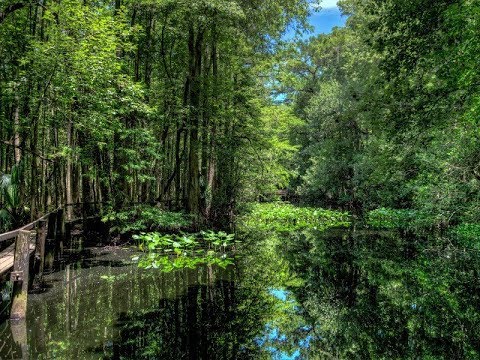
[324, 4]
[329, 3]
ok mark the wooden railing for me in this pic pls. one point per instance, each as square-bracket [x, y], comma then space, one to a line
[15, 258]
[14, 233]
[30, 239]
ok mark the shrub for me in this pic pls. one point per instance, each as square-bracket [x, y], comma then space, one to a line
[287, 217]
[145, 218]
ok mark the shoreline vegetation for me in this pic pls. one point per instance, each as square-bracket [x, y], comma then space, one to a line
[166, 243]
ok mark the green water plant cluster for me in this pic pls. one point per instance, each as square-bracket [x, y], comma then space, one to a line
[186, 243]
[167, 263]
[281, 216]
[384, 218]
[177, 251]
[145, 218]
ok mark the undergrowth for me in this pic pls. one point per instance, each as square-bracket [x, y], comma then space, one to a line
[145, 218]
[287, 217]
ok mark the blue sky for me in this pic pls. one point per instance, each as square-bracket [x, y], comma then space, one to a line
[324, 20]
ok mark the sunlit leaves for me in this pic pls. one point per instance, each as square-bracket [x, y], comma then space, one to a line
[284, 217]
[169, 252]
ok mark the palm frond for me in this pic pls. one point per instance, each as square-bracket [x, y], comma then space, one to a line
[16, 174]
[5, 181]
[5, 220]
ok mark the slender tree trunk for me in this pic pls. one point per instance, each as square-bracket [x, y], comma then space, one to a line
[68, 172]
[212, 160]
[16, 125]
[195, 53]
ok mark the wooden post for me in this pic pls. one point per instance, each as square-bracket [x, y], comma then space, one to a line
[52, 225]
[60, 223]
[19, 335]
[60, 231]
[20, 274]
[40, 246]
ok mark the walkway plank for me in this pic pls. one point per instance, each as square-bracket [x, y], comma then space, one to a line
[7, 256]
[6, 259]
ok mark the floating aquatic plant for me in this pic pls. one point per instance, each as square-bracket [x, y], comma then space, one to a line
[172, 251]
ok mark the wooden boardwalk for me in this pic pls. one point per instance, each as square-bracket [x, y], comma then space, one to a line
[6, 259]
[20, 245]
[7, 256]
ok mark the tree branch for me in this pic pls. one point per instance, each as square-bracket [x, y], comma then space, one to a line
[20, 5]
[8, 143]
[10, 9]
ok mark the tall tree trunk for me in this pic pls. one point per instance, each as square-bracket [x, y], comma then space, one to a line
[16, 126]
[212, 160]
[195, 53]
[68, 172]
[35, 166]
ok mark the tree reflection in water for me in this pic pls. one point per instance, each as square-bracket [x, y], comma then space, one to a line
[384, 296]
[306, 295]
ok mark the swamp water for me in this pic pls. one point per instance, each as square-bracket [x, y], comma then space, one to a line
[305, 295]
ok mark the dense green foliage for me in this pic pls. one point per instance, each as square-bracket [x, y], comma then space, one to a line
[145, 218]
[391, 104]
[203, 110]
[468, 235]
[171, 102]
[287, 217]
[405, 219]
[142, 101]
[271, 165]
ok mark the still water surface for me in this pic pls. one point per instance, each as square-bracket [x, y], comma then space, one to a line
[307, 295]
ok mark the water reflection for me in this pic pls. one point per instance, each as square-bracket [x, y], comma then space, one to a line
[307, 295]
[382, 296]
[273, 336]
